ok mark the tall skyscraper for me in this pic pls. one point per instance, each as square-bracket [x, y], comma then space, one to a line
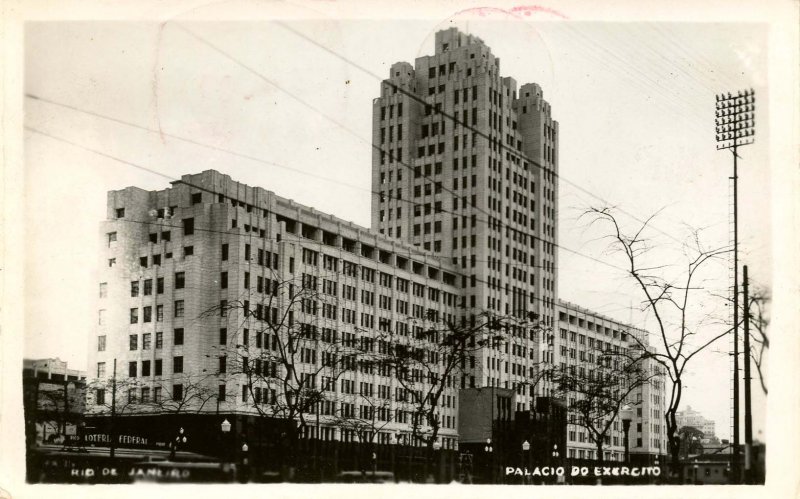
[467, 168]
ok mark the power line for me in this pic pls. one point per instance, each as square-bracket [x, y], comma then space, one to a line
[155, 172]
[446, 115]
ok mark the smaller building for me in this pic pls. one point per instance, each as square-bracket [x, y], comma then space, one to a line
[492, 436]
[54, 400]
[690, 417]
[52, 369]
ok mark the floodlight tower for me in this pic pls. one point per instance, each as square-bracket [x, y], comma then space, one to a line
[735, 127]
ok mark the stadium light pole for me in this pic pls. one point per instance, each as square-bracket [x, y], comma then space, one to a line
[735, 127]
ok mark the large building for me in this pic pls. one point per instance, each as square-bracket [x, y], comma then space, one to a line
[585, 337]
[467, 168]
[198, 279]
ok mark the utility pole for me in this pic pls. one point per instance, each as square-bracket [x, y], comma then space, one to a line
[748, 416]
[735, 124]
[113, 432]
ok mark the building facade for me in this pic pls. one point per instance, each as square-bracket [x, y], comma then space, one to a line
[467, 168]
[203, 284]
[193, 277]
[585, 337]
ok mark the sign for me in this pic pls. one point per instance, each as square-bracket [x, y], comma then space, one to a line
[123, 441]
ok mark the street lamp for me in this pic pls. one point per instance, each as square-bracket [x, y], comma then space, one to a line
[437, 446]
[225, 426]
[695, 471]
[180, 439]
[526, 447]
[488, 449]
[627, 416]
[555, 454]
[245, 463]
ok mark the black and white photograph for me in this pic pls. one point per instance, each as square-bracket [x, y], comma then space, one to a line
[283, 246]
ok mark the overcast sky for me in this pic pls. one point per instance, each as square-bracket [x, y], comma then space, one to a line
[635, 103]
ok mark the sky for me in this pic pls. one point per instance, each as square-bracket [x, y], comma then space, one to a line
[115, 104]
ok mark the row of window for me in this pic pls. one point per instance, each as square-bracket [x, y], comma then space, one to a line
[145, 371]
[147, 313]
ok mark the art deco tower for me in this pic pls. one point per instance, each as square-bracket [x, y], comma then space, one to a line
[465, 166]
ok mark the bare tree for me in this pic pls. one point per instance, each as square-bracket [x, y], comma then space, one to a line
[759, 340]
[430, 356]
[597, 392]
[673, 303]
[287, 367]
[181, 394]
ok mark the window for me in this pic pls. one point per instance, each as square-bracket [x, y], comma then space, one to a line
[160, 285]
[134, 315]
[148, 314]
[157, 394]
[188, 226]
[223, 364]
[101, 343]
[101, 369]
[177, 364]
[178, 308]
[159, 313]
[103, 289]
[177, 392]
[223, 336]
[223, 280]
[157, 369]
[134, 289]
[159, 340]
[120, 212]
[112, 238]
[188, 251]
[148, 287]
[178, 336]
[197, 198]
[221, 393]
[180, 280]
[145, 368]
[132, 369]
[100, 396]
[224, 252]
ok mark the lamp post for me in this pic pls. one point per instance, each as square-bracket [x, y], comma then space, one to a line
[180, 439]
[437, 446]
[555, 455]
[695, 471]
[657, 464]
[392, 445]
[627, 416]
[226, 428]
[488, 449]
[245, 464]
[526, 448]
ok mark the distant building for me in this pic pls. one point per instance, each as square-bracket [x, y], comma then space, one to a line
[690, 417]
[53, 369]
[54, 400]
